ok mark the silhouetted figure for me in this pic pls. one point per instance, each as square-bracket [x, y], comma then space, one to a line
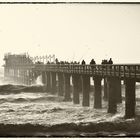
[110, 61]
[61, 62]
[103, 63]
[83, 62]
[48, 62]
[75, 62]
[92, 62]
[56, 60]
[106, 61]
[71, 62]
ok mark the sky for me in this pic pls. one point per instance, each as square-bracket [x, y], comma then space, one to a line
[72, 31]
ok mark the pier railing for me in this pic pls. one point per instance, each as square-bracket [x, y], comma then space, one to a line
[119, 70]
[115, 70]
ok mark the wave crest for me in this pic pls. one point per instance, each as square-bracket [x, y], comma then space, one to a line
[9, 88]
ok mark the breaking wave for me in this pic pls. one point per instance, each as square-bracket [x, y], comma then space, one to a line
[9, 88]
[28, 99]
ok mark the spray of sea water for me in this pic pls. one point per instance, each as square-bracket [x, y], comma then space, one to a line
[30, 111]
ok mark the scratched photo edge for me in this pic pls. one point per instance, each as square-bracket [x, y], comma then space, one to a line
[70, 2]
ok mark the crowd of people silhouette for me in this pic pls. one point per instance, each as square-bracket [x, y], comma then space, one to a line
[107, 62]
[92, 62]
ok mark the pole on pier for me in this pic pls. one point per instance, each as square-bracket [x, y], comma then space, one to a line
[75, 80]
[86, 90]
[130, 98]
[48, 87]
[60, 84]
[97, 92]
[112, 98]
[53, 82]
[105, 97]
[67, 93]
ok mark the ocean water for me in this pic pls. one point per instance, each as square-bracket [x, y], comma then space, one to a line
[30, 111]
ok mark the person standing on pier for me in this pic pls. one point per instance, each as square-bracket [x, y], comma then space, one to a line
[83, 62]
[56, 61]
[110, 61]
[92, 63]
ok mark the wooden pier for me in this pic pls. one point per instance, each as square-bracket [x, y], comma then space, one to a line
[56, 78]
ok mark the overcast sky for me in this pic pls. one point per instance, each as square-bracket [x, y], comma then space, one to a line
[72, 31]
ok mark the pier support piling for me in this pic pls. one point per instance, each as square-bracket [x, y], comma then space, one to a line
[118, 90]
[112, 98]
[26, 77]
[30, 77]
[80, 84]
[86, 90]
[48, 88]
[53, 82]
[67, 93]
[44, 80]
[44, 77]
[75, 80]
[23, 77]
[105, 97]
[97, 92]
[15, 75]
[60, 84]
[130, 96]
